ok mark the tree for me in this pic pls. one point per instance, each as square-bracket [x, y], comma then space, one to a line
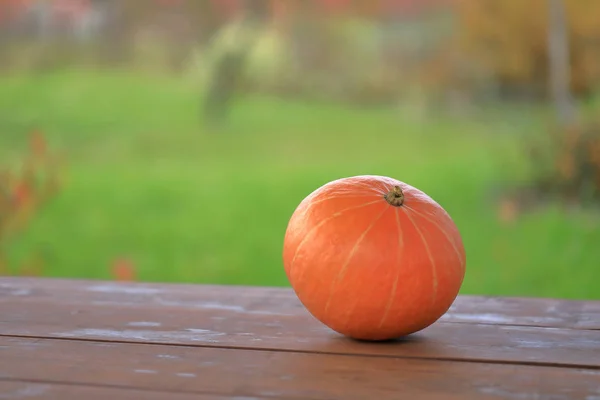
[229, 67]
[509, 39]
[559, 62]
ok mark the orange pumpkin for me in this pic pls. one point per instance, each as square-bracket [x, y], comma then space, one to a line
[373, 258]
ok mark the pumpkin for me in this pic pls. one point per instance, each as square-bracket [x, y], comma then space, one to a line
[373, 258]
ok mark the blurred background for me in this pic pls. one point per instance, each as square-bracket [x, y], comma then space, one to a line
[171, 140]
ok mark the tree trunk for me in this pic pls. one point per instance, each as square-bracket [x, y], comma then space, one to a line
[559, 63]
[230, 67]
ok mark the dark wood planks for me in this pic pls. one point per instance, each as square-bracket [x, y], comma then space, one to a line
[466, 309]
[227, 329]
[247, 374]
[10, 389]
[272, 319]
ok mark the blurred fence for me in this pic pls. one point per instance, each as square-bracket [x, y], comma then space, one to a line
[376, 51]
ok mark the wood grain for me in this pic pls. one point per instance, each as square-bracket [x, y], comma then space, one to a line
[243, 374]
[19, 390]
[466, 309]
[268, 319]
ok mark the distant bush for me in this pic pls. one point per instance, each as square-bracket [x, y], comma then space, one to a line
[568, 167]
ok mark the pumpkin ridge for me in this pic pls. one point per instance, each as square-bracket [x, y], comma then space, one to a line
[434, 223]
[312, 203]
[431, 259]
[388, 306]
[321, 223]
[342, 271]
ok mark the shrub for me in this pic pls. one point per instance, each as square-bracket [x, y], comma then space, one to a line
[23, 192]
[568, 168]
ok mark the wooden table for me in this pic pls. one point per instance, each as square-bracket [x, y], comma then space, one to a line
[70, 339]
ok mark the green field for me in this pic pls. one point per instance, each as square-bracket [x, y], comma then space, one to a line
[144, 180]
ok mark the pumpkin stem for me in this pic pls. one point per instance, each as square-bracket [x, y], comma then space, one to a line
[395, 196]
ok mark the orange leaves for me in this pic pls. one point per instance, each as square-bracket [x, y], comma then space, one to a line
[123, 269]
[21, 195]
[23, 191]
[37, 144]
[508, 211]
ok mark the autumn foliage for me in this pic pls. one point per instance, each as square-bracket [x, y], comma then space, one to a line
[509, 39]
[564, 166]
[573, 162]
[124, 270]
[23, 192]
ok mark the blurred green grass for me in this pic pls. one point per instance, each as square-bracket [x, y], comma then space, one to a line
[145, 180]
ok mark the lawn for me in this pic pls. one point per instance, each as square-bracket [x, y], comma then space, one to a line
[144, 180]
